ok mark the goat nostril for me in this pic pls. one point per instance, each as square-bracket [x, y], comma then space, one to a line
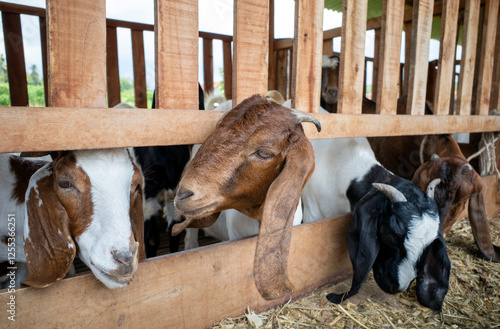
[124, 257]
[183, 194]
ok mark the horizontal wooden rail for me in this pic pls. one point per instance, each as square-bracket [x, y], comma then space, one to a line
[44, 129]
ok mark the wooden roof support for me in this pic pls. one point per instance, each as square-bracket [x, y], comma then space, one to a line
[307, 55]
[176, 41]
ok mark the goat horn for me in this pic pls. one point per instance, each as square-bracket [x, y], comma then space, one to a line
[434, 157]
[391, 192]
[431, 188]
[303, 117]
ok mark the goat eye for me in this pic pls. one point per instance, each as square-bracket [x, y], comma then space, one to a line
[64, 184]
[264, 154]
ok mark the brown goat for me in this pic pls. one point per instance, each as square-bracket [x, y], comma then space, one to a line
[459, 181]
[257, 161]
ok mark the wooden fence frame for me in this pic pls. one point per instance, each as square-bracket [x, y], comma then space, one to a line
[193, 289]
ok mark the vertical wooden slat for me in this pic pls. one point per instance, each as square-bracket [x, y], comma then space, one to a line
[408, 28]
[328, 47]
[467, 63]
[14, 53]
[281, 71]
[487, 57]
[352, 56]
[112, 71]
[208, 65]
[141, 97]
[431, 81]
[251, 46]
[43, 42]
[307, 55]
[376, 60]
[495, 85]
[390, 52]
[420, 39]
[228, 69]
[290, 71]
[77, 53]
[176, 40]
[271, 75]
[446, 62]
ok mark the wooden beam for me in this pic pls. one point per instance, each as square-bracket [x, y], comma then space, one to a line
[467, 63]
[250, 47]
[21, 9]
[487, 57]
[408, 28]
[328, 47]
[112, 70]
[77, 53]
[228, 69]
[43, 43]
[495, 85]
[446, 62]
[352, 57]
[420, 38]
[281, 71]
[139, 64]
[307, 55]
[176, 41]
[271, 75]
[376, 61]
[191, 289]
[46, 129]
[208, 66]
[390, 52]
[14, 54]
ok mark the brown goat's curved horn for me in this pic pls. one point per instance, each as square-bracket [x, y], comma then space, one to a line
[391, 192]
[304, 117]
[432, 187]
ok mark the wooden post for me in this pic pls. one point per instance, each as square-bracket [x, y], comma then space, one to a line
[467, 63]
[495, 85]
[208, 65]
[43, 41]
[420, 37]
[250, 48]
[281, 71]
[390, 52]
[271, 79]
[446, 63]
[141, 96]
[487, 57]
[328, 47]
[14, 53]
[408, 28]
[77, 53]
[352, 56]
[228, 69]
[113, 74]
[376, 61]
[176, 39]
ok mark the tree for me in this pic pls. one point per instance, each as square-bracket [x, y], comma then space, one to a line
[34, 78]
[3, 69]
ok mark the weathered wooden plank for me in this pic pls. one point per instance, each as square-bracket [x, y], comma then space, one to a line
[188, 289]
[43, 129]
[112, 70]
[208, 66]
[446, 62]
[467, 63]
[14, 54]
[487, 57]
[408, 28]
[271, 74]
[420, 38]
[43, 43]
[176, 41]
[250, 47]
[307, 55]
[352, 56]
[281, 71]
[376, 61]
[21, 9]
[77, 53]
[139, 64]
[495, 85]
[388, 79]
[228, 69]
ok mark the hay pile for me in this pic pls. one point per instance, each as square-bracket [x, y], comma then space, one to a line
[473, 300]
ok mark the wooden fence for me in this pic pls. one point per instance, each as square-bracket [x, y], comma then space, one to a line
[194, 289]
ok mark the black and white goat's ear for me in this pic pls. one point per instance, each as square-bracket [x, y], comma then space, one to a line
[48, 245]
[362, 242]
[273, 244]
[433, 274]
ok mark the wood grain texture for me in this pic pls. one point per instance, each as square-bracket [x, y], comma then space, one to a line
[408, 28]
[77, 53]
[112, 70]
[376, 63]
[139, 64]
[228, 69]
[208, 66]
[250, 47]
[352, 56]
[176, 41]
[390, 50]
[495, 85]
[420, 39]
[281, 72]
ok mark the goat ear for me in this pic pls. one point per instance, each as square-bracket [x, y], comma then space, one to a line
[362, 242]
[433, 275]
[479, 222]
[137, 221]
[48, 245]
[273, 243]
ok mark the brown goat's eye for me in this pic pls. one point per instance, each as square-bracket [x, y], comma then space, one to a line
[64, 183]
[264, 154]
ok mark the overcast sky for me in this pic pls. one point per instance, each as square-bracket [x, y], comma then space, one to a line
[214, 16]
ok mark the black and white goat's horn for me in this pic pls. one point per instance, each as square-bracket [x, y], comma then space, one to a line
[432, 187]
[391, 192]
[304, 117]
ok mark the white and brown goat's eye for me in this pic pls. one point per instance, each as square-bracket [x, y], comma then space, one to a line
[64, 183]
[264, 154]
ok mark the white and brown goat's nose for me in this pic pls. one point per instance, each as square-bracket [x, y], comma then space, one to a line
[126, 260]
[183, 194]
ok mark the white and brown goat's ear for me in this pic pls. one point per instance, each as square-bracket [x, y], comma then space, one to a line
[48, 245]
[273, 244]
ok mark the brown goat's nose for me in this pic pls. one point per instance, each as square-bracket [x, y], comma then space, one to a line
[124, 257]
[183, 194]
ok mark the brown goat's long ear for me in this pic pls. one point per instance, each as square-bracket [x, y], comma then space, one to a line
[273, 244]
[49, 247]
[479, 223]
[137, 221]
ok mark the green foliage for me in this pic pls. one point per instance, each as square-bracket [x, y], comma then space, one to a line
[36, 95]
[4, 94]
